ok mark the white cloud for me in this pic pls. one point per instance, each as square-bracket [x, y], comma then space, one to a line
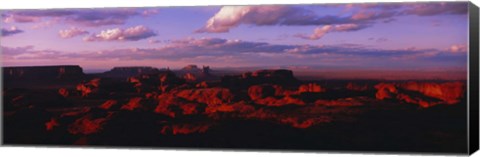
[319, 32]
[458, 48]
[231, 16]
[117, 34]
[72, 32]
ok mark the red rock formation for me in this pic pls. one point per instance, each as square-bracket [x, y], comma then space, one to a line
[134, 103]
[94, 82]
[449, 92]
[18, 98]
[87, 88]
[341, 102]
[356, 87]
[165, 101]
[415, 100]
[202, 84]
[311, 88]
[51, 124]
[84, 90]
[240, 107]
[209, 96]
[87, 125]
[189, 77]
[63, 92]
[189, 108]
[287, 100]
[136, 83]
[108, 104]
[151, 95]
[163, 81]
[76, 112]
[261, 91]
[385, 91]
[295, 120]
[266, 95]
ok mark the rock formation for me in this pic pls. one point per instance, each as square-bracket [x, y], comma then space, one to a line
[125, 72]
[422, 93]
[38, 73]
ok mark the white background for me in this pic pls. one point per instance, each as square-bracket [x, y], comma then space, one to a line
[51, 152]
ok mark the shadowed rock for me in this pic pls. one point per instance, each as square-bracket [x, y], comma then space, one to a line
[125, 72]
[277, 77]
[36, 73]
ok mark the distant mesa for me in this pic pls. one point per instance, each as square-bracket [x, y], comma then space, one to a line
[194, 73]
[191, 68]
[273, 73]
[163, 81]
[279, 77]
[60, 72]
[124, 72]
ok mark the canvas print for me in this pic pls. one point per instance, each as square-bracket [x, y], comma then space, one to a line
[389, 77]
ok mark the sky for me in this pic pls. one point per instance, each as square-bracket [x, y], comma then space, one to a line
[415, 37]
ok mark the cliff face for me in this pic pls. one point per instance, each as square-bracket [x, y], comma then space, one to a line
[419, 92]
[43, 73]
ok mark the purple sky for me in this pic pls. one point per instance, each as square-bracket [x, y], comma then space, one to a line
[388, 36]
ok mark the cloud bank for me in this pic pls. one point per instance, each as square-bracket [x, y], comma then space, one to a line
[364, 15]
[78, 17]
[258, 53]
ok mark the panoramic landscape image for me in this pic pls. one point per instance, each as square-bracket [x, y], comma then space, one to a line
[388, 77]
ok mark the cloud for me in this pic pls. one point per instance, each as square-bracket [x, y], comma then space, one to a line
[319, 32]
[28, 52]
[231, 52]
[260, 52]
[417, 8]
[10, 31]
[44, 24]
[94, 18]
[458, 48]
[117, 34]
[218, 46]
[229, 17]
[154, 41]
[27, 16]
[431, 9]
[72, 32]
[83, 17]
[149, 12]
[378, 40]
[372, 15]
[9, 51]
[232, 16]
[380, 6]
